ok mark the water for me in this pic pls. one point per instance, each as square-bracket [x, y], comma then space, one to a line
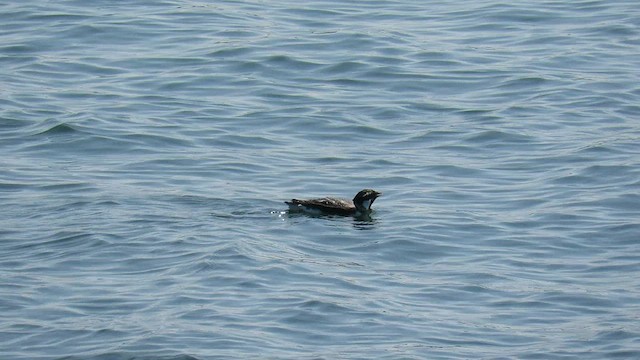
[148, 149]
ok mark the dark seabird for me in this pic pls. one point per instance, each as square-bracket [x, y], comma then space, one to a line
[360, 205]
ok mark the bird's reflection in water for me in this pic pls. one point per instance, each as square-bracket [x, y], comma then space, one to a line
[364, 222]
[359, 222]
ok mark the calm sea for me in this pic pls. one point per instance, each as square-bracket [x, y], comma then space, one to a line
[147, 148]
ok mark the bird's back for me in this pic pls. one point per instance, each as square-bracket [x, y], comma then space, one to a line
[326, 205]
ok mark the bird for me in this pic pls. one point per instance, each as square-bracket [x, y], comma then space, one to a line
[360, 205]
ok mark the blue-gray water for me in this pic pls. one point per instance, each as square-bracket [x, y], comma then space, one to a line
[147, 148]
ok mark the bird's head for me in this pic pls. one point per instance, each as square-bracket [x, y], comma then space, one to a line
[364, 199]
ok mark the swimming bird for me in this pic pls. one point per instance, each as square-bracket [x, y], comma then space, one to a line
[360, 205]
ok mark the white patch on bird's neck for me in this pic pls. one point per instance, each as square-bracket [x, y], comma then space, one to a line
[366, 204]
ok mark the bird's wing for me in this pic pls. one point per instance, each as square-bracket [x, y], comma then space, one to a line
[325, 203]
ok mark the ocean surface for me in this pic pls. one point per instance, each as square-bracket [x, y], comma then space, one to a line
[147, 148]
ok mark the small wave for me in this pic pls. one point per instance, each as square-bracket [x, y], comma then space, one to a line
[345, 67]
[129, 356]
[60, 129]
[497, 136]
